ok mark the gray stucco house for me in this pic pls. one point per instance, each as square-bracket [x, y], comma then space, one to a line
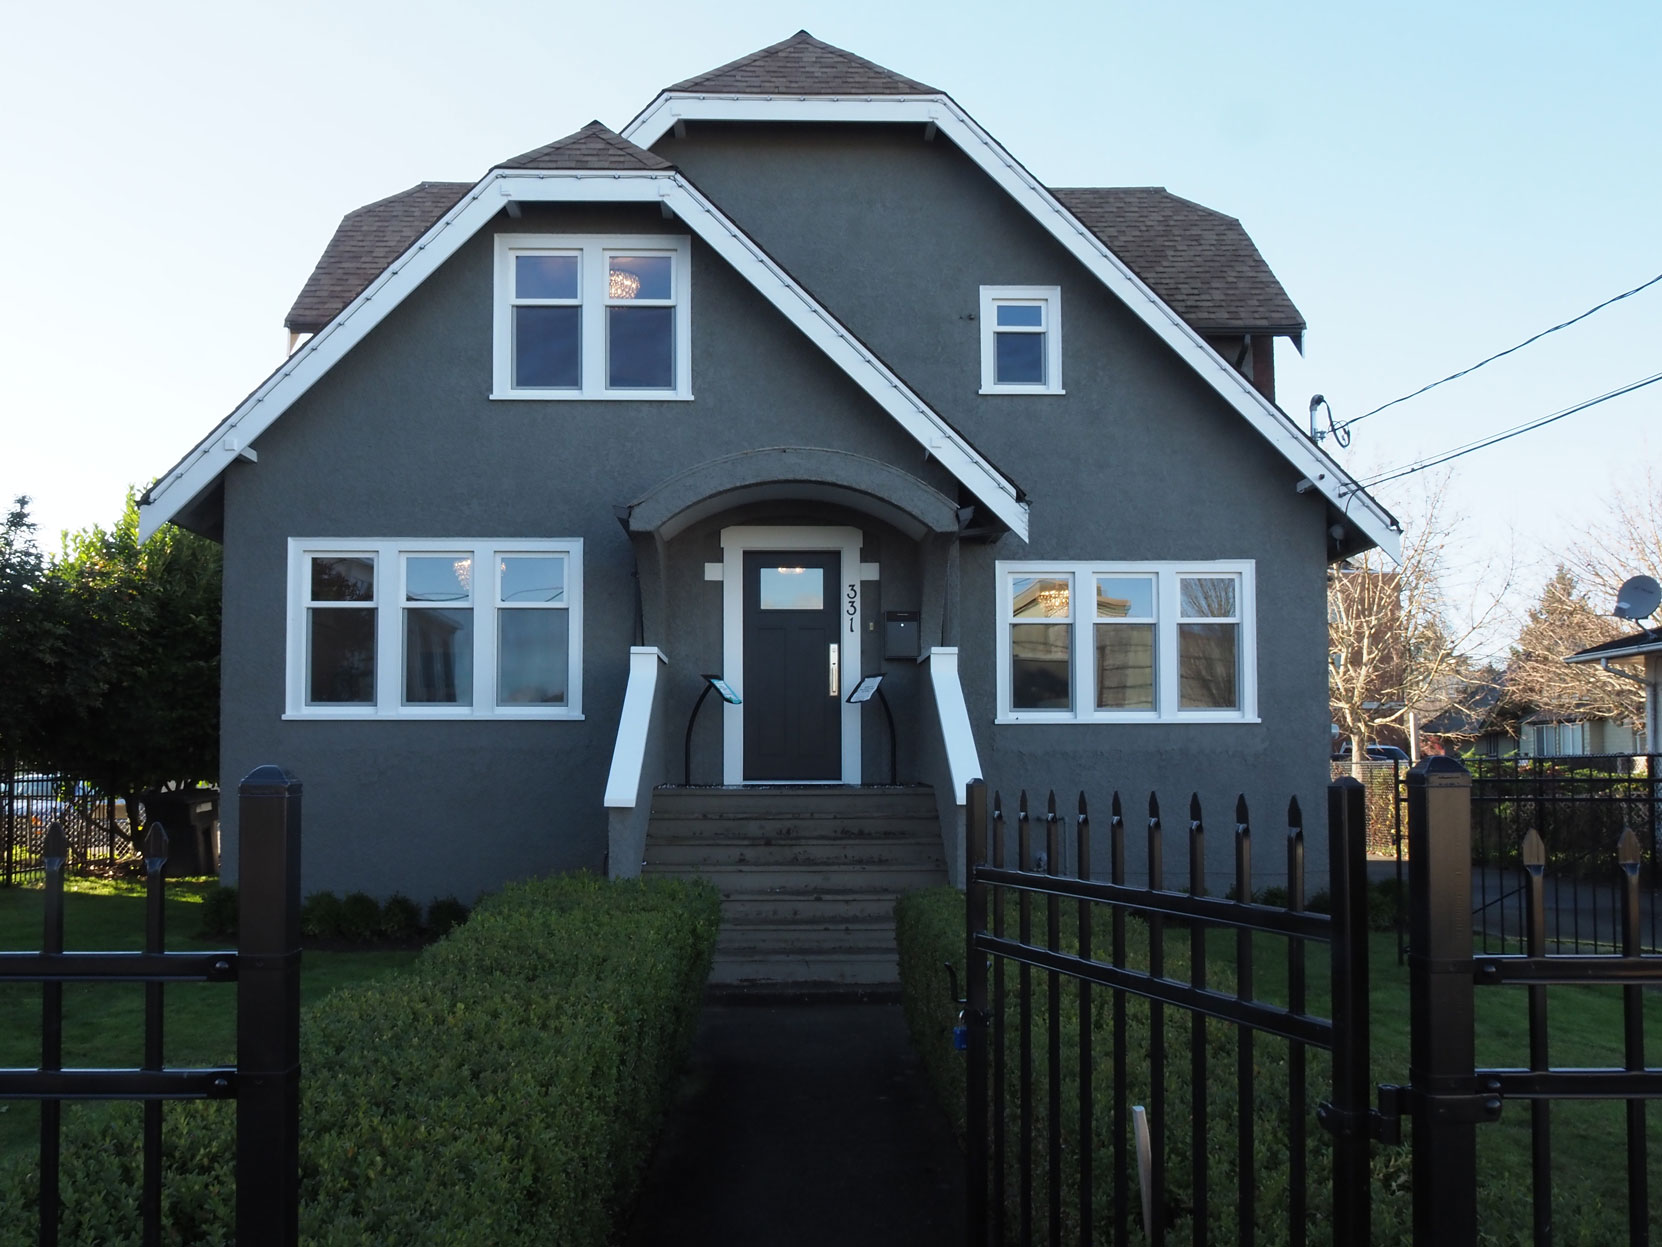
[799, 378]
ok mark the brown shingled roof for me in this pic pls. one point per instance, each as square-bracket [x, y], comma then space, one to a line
[1201, 262]
[366, 241]
[803, 65]
[592, 147]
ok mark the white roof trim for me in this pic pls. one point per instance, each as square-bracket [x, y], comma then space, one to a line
[256, 413]
[1337, 485]
[1638, 648]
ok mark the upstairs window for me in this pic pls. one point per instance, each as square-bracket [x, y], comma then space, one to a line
[592, 317]
[1021, 340]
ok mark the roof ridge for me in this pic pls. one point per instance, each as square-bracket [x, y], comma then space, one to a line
[801, 38]
[420, 186]
[595, 131]
[1169, 194]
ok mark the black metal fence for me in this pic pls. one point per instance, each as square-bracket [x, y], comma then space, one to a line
[1580, 807]
[1450, 1096]
[94, 826]
[1054, 1154]
[265, 1082]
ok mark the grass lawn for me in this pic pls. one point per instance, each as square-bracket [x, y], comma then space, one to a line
[104, 1023]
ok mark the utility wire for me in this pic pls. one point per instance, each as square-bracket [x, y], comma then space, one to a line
[1500, 354]
[1506, 435]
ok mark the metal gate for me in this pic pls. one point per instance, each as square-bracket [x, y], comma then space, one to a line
[1059, 1141]
[1076, 1112]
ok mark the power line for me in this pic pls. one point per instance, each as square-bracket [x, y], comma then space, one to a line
[1501, 354]
[1467, 449]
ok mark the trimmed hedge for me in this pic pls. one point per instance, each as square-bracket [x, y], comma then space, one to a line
[504, 1090]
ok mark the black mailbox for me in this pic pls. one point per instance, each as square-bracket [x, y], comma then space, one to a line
[900, 634]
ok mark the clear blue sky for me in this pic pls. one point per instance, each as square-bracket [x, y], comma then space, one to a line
[1431, 182]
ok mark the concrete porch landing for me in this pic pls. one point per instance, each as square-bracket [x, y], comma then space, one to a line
[808, 876]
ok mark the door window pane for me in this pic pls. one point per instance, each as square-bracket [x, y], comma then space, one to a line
[640, 348]
[545, 276]
[343, 579]
[639, 277]
[438, 657]
[1208, 665]
[531, 657]
[1125, 666]
[1041, 669]
[340, 655]
[533, 578]
[1020, 359]
[792, 589]
[547, 347]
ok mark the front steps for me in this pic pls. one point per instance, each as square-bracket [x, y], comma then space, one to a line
[808, 876]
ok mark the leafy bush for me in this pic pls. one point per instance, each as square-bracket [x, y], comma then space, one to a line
[219, 912]
[400, 918]
[505, 1090]
[444, 914]
[360, 917]
[320, 916]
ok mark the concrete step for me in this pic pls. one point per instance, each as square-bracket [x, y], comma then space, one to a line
[790, 880]
[676, 829]
[774, 969]
[805, 938]
[803, 801]
[822, 907]
[694, 856]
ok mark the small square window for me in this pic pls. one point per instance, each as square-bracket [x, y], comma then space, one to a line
[1021, 340]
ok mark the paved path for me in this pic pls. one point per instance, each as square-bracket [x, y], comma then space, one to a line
[803, 1125]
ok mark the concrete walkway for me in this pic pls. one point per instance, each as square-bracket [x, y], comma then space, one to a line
[803, 1124]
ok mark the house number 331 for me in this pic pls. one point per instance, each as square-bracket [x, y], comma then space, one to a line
[853, 607]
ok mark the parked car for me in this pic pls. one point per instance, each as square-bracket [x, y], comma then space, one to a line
[1375, 752]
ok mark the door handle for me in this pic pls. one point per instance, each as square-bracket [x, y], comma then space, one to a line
[836, 682]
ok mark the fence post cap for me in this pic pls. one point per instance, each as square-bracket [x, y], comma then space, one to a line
[269, 778]
[1438, 769]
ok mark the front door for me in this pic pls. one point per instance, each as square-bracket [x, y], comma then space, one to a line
[792, 665]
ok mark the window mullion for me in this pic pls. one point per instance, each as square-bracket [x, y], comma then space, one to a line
[1084, 641]
[486, 595]
[1167, 694]
[389, 631]
[593, 319]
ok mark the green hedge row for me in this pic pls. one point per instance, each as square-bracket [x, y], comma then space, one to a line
[505, 1090]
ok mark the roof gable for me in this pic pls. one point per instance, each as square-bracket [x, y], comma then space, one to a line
[803, 65]
[195, 474]
[592, 147]
[1199, 261]
[1361, 520]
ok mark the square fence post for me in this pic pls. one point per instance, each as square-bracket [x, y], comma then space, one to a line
[268, 1010]
[1440, 989]
[975, 1012]
[1348, 887]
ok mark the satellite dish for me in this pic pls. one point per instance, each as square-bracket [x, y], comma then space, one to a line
[1638, 598]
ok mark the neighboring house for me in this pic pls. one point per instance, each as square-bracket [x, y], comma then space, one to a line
[1646, 646]
[800, 377]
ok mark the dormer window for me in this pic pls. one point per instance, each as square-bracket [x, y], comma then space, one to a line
[1021, 340]
[592, 317]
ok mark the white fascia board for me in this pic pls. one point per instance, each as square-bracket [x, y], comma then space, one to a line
[256, 413]
[1337, 485]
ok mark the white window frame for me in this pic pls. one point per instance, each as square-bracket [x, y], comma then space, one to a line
[1167, 691]
[387, 601]
[1050, 297]
[593, 251]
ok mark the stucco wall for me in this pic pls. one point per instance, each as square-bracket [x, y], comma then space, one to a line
[400, 440]
[1140, 459]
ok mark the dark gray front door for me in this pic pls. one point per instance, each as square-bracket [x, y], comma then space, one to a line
[792, 689]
